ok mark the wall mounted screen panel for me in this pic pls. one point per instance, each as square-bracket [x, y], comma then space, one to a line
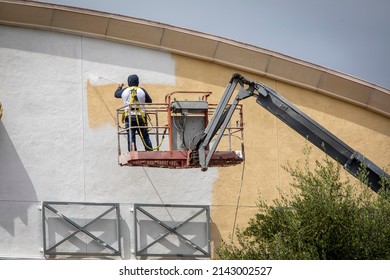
[172, 230]
[81, 229]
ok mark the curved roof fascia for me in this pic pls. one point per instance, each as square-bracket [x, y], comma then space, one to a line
[198, 45]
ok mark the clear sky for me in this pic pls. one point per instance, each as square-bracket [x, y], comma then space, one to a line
[349, 36]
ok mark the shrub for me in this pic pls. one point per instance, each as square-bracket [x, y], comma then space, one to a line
[323, 217]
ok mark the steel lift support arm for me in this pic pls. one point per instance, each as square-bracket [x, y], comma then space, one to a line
[268, 98]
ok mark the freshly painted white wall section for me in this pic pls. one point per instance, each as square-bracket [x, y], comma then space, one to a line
[42, 93]
[117, 61]
[54, 152]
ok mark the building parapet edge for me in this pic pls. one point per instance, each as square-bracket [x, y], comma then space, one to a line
[154, 35]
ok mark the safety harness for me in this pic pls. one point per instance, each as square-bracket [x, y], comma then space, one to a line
[139, 112]
[134, 100]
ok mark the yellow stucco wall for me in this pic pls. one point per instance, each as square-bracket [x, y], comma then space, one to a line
[269, 143]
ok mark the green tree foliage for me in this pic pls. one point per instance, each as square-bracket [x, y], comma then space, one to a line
[324, 217]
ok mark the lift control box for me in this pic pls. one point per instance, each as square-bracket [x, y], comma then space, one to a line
[188, 122]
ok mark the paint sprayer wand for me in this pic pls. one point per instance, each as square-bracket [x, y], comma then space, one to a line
[111, 80]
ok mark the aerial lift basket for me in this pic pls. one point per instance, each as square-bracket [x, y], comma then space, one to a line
[175, 127]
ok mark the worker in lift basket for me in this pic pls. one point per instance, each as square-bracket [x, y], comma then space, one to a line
[135, 95]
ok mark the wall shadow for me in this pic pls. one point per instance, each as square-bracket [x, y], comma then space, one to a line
[16, 187]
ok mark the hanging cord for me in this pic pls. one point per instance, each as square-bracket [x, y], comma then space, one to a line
[181, 129]
[143, 139]
[238, 199]
[158, 194]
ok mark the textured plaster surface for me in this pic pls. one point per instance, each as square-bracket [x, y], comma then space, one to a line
[59, 135]
[270, 144]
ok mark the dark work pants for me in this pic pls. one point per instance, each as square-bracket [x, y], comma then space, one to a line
[142, 132]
